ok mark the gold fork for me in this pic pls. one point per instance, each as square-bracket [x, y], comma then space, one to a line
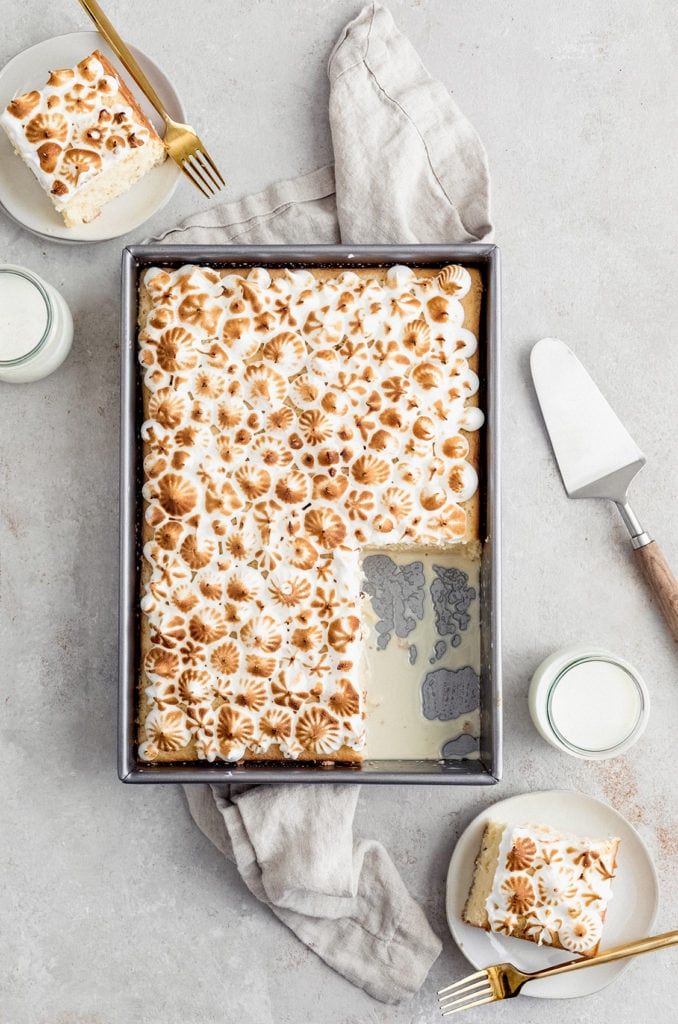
[181, 142]
[503, 981]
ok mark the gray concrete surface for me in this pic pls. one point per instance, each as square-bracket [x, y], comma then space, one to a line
[114, 908]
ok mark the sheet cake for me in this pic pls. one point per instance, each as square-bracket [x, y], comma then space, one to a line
[292, 419]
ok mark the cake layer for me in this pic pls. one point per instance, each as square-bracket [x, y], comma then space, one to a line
[548, 887]
[83, 136]
[292, 418]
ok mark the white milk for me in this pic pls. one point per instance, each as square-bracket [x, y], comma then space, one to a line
[23, 316]
[36, 328]
[596, 705]
[588, 703]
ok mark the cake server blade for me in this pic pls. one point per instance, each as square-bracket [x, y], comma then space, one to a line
[596, 455]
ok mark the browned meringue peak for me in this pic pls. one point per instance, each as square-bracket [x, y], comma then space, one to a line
[344, 631]
[184, 598]
[235, 730]
[455, 447]
[166, 730]
[176, 494]
[48, 155]
[317, 730]
[47, 128]
[161, 662]
[519, 893]
[194, 686]
[288, 589]
[225, 659]
[21, 106]
[207, 625]
[174, 350]
[90, 68]
[80, 100]
[455, 281]
[345, 701]
[60, 76]
[276, 723]
[252, 694]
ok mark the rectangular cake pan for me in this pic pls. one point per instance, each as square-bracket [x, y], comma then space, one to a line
[484, 771]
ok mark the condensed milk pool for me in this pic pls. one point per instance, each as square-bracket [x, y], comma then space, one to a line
[423, 654]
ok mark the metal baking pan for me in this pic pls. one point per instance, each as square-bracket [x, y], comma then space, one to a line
[484, 771]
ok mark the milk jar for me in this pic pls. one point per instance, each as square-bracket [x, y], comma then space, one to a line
[36, 327]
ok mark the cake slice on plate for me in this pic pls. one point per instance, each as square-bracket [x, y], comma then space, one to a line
[532, 882]
[84, 137]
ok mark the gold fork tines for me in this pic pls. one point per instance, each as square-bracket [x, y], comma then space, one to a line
[474, 990]
[503, 981]
[181, 141]
[186, 149]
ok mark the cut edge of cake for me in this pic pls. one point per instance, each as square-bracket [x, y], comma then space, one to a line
[485, 869]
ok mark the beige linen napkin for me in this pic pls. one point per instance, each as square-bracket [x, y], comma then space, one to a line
[408, 168]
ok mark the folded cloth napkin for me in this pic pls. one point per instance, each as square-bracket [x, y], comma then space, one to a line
[408, 167]
[295, 850]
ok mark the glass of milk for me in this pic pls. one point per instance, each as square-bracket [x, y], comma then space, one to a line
[36, 327]
[589, 703]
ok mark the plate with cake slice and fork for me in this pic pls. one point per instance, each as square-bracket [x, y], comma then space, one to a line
[541, 878]
[81, 153]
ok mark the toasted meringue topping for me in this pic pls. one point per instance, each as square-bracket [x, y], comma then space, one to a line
[291, 422]
[48, 155]
[176, 494]
[47, 128]
[22, 106]
[166, 730]
[455, 281]
[234, 731]
[546, 887]
[521, 854]
[317, 730]
[581, 933]
[276, 723]
[519, 893]
[225, 659]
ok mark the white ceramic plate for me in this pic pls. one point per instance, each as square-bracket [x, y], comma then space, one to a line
[20, 194]
[631, 913]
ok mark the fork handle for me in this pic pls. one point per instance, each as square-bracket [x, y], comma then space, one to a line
[124, 54]
[616, 953]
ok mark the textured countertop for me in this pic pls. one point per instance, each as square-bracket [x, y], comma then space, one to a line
[114, 907]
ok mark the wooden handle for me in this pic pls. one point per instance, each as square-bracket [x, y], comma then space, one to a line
[663, 583]
[616, 953]
[120, 48]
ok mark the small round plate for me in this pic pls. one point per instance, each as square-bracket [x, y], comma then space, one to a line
[631, 912]
[22, 197]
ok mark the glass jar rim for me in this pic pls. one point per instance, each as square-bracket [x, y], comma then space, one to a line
[597, 751]
[37, 283]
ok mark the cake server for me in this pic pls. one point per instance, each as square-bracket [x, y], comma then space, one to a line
[504, 981]
[596, 456]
